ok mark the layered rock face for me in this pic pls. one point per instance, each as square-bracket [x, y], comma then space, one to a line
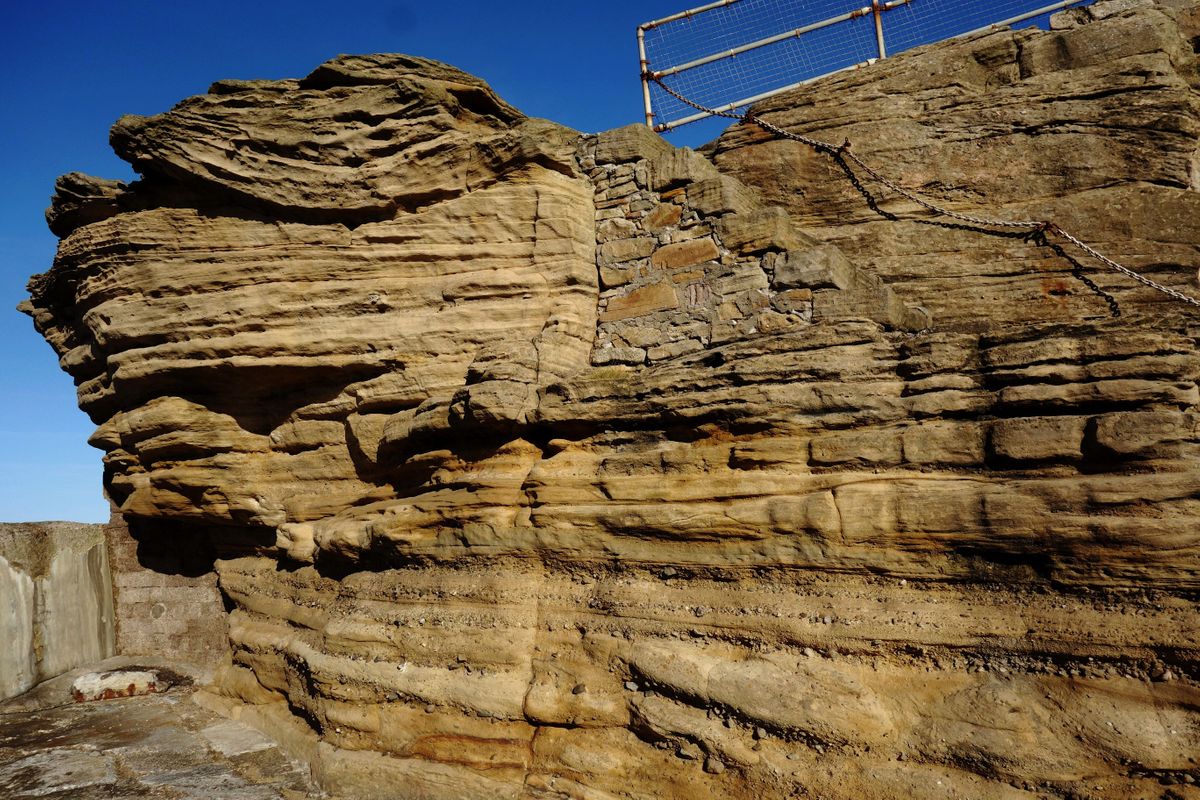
[561, 466]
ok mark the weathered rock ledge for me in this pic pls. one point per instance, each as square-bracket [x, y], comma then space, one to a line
[537, 464]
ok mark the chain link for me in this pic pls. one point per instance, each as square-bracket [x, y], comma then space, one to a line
[1041, 228]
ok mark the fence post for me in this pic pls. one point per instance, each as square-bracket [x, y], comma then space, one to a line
[641, 36]
[877, 10]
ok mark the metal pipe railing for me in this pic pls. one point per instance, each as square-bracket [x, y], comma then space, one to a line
[876, 10]
[641, 36]
[747, 101]
[1023, 17]
[691, 12]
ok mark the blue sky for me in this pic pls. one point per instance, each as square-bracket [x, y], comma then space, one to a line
[72, 67]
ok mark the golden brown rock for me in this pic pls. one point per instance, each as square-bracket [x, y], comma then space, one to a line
[545, 492]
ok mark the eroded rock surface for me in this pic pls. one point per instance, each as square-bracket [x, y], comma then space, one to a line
[561, 466]
[161, 746]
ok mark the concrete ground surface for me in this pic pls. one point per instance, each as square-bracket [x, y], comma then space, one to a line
[154, 746]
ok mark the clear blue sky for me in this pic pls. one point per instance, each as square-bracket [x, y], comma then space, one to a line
[72, 67]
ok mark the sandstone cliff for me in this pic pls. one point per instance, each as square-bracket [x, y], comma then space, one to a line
[547, 465]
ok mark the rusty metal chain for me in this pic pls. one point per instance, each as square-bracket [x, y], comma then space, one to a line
[1039, 230]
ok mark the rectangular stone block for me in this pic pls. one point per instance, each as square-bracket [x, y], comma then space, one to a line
[687, 276]
[613, 276]
[765, 229]
[630, 143]
[720, 194]
[643, 300]
[745, 278]
[1128, 433]
[621, 250]
[617, 228]
[685, 254]
[663, 216]
[632, 356]
[677, 167]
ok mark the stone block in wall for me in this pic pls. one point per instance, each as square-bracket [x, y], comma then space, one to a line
[622, 250]
[1112, 393]
[823, 266]
[638, 302]
[665, 215]
[631, 143]
[613, 276]
[667, 350]
[616, 189]
[688, 275]
[794, 300]
[605, 356]
[743, 277]
[758, 231]
[720, 195]
[696, 295]
[685, 233]
[678, 167]
[617, 228]
[685, 254]
[1038, 438]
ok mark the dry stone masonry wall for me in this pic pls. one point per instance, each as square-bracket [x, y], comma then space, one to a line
[688, 258]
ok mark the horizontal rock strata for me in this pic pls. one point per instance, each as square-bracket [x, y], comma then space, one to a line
[541, 465]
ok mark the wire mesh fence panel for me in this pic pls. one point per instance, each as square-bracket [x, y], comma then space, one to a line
[728, 55]
[925, 21]
[763, 69]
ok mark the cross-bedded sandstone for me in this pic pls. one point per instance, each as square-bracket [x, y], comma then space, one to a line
[549, 465]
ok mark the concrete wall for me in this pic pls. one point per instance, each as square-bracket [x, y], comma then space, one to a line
[56, 602]
[167, 599]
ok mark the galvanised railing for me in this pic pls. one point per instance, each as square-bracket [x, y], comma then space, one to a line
[730, 54]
